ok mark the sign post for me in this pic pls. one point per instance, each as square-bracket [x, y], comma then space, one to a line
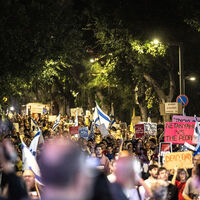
[183, 99]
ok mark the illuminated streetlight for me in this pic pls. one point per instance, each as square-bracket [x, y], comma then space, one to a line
[12, 108]
[92, 60]
[192, 78]
[156, 41]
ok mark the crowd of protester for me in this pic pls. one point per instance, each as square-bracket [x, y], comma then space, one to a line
[118, 166]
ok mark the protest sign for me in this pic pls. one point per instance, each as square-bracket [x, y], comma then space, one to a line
[103, 130]
[178, 159]
[139, 131]
[179, 132]
[165, 147]
[83, 132]
[74, 110]
[150, 128]
[180, 118]
[145, 128]
[74, 130]
[52, 118]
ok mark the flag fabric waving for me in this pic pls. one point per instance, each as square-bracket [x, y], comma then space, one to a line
[96, 117]
[29, 162]
[56, 123]
[34, 143]
[103, 118]
[76, 119]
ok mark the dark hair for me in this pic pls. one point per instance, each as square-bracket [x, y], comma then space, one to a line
[98, 145]
[178, 174]
[64, 172]
[161, 169]
[152, 167]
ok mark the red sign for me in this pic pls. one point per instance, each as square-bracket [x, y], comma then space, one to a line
[179, 132]
[139, 130]
[73, 130]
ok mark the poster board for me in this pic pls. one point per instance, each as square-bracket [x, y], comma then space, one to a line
[83, 132]
[52, 118]
[181, 118]
[73, 111]
[179, 132]
[178, 159]
[139, 131]
[165, 147]
[150, 128]
[145, 128]
[103, 130]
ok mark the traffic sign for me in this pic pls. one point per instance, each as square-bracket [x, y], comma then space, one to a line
[183, 99]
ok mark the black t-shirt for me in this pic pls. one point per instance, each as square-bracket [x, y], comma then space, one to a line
[172, 193]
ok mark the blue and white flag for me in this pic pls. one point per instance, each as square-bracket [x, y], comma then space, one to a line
[96, 117]
[56, 123]
[196, 134]
[34, 143]
[103, 118]
[29, 162]
[76, 119]
[112, 115]
[36, 124]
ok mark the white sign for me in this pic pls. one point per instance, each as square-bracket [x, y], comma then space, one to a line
[79, 111]
[149, 128]
[171, 108]
[52, 118]
[103, 130]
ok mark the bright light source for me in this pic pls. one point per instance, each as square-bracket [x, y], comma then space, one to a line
[156, 41]
[192, 78]
[12, 108]
[92, 60]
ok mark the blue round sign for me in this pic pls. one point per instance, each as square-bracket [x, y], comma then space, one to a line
[183, 99]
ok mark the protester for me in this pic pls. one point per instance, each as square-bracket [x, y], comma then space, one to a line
[16, 189]
[104, 163]
[64, 172]
[179, 180]
[29, 179]
[172, 191]
[191, 190]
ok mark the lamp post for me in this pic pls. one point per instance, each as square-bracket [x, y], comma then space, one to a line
[181, 69]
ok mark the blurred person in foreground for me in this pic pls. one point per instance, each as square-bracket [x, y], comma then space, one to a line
[127, 171]
[64, 171]
[15, 188]
[192, 187]
[172, 190]
[29, 179]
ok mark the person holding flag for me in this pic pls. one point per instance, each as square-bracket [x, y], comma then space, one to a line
[56, 123]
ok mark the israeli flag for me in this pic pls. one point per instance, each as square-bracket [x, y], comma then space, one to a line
[76, 119]
[56, 123]
[103, 118]
[29, 162]
[34, 143]
[96, 117]
[36, 124]
[196, 134]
